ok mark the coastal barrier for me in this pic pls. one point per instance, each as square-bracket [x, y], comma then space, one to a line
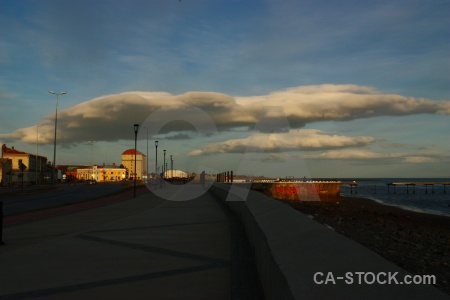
[291, 248]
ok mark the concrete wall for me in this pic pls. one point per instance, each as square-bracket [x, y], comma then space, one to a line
[290, 248]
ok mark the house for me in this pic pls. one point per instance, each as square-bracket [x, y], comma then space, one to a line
[5, 171]
[31, 166]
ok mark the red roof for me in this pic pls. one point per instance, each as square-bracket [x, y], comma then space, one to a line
[131, 152]
[12, 150]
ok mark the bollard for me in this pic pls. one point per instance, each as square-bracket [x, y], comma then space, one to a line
[1, 223]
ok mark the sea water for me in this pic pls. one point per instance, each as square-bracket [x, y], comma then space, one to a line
[419, 198]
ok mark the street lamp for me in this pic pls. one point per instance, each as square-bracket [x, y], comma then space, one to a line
[92, 158]
[136, 127]
[54, 143]
[37, 153]
[171, 167]
[156, 158]
[164, 164]
[92, 152]
[146, 170]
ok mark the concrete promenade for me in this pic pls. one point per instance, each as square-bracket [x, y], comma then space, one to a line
[142, 248]
[299, 258]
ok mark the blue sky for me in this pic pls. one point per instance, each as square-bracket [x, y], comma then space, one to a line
[348, 88]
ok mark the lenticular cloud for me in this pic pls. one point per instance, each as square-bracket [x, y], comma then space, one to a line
[109, 117]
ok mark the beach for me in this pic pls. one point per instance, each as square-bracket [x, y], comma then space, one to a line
[417, 242]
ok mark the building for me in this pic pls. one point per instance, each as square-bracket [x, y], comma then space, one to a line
[69, 172]
[5, 171]
[101, 173]
[175, 174]
[34, 166]
[128, 158]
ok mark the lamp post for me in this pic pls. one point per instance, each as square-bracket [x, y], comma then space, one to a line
[156, 158]
[146, 170]
[54, 143]
[136, 127]
[92, 158]
[171, 167]
[92, 152]
[164, 164]
[37, 153]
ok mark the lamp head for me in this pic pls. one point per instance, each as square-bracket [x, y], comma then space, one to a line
[136, 127]
[52, 92]
[156, 143]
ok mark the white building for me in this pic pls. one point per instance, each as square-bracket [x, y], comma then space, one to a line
[175, 174]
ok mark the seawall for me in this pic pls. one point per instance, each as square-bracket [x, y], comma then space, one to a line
[292, 251]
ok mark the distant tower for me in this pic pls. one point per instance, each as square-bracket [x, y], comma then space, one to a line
[141, 163]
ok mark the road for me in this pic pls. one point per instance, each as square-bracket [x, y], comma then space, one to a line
[64, 194]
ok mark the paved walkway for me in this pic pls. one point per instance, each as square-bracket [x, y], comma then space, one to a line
[142, 248]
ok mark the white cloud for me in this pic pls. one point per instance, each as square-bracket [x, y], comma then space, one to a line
[294, 140]
[351, 154]
[365, 155]
[328, 102]
[110, 117]
[419, 159]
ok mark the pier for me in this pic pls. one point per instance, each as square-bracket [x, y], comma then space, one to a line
[413, 184]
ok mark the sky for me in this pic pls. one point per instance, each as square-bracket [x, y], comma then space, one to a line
[323, 89]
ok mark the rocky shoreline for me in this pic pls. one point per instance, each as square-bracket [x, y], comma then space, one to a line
[417, 242]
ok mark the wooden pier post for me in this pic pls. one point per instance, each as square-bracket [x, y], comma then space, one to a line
[413, 184]
[353, 184]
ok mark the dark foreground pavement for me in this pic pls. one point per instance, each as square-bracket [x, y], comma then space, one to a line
[142, 248]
